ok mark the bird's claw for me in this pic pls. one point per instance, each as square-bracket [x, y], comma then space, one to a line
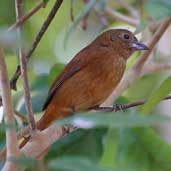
[118, 107]
[68, 128]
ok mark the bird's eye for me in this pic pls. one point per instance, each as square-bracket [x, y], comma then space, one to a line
[126, 36]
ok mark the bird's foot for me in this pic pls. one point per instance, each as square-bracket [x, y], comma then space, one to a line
[68, 128]
[118, 107]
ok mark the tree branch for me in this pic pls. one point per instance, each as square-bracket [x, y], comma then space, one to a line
[129, 8]
[28, 104]
[36, 41]
[135, 71]
[26, 17]
[11, 135]
[155, 67]
[159, 33]
[124, 106]
[35, 150]
[38, 145]
[116, 15]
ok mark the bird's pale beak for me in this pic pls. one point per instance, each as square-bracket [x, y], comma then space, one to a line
[139, 46]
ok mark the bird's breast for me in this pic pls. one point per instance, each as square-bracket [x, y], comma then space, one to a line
[105, 76]
[91, 85]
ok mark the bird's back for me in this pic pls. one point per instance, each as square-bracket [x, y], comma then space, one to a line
[89, 86]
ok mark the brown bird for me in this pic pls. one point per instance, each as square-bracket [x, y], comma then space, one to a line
[91, 76]
[88, 79]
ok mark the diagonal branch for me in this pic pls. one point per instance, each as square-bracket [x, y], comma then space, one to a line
[28, 104]
[11, 135]
[124, 106]
[116, 15]
[157, 36]
[26, 17]
[135, 71]
[39, 143]
[36, 40]
[129, 8]
[155, 67]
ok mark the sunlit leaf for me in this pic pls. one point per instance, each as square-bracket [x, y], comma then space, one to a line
[110, 148]
[157, 96]
[159, 150]
[143, 87]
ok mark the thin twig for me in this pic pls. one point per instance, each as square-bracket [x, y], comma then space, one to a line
[159, 33]
[26, 17]
[84, 21]
[71, 10]
[21, 116]
[36, 40]
[102, 18]
[155, 67]
[116, 15]
[41, 141]
[136, 70]
[27, 97]
[11, 135]
[124, 106]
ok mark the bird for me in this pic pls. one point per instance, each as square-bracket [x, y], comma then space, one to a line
[91, 76]
[88, 79]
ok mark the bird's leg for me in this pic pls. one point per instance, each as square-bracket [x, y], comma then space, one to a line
[115, 108]
[118, 107]
[68, 127]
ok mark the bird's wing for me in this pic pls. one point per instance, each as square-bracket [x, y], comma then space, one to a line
[72, 68]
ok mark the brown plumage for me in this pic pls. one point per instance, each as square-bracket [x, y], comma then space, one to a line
[91, 76]
[88, 79]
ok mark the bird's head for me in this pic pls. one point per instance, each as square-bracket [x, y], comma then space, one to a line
[121, 40]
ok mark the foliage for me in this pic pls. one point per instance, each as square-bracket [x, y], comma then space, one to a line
[122, 141]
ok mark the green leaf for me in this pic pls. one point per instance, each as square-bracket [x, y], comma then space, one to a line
[39, 91]
[6, 17]
[143, 87]
[40, 83]
[76, 163]
[76, 143]
[136, 149]
[54, 72]
[110, 148]
[156, 146]
[157, 96]
[77, 19]
[158, 9]
[114, 120]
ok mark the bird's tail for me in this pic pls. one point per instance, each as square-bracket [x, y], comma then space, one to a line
[52, 113]
[48, 117]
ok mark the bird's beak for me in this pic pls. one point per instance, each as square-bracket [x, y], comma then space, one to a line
[139, 46]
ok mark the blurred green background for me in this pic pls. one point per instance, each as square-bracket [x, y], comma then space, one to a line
[133, 144]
